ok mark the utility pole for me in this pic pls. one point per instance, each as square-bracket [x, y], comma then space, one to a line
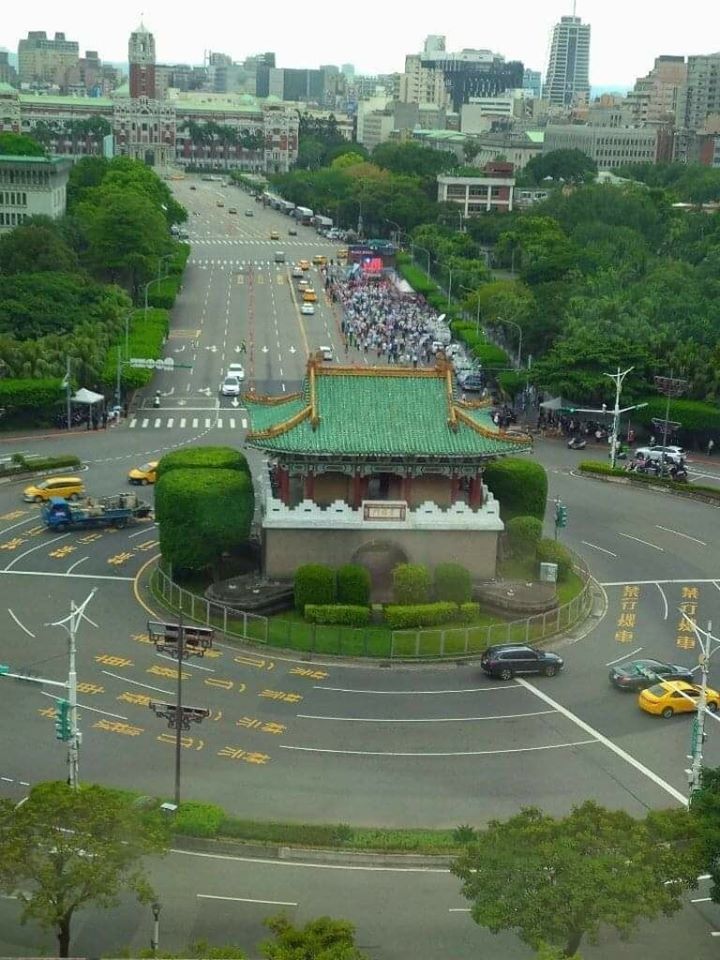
[68, 391]
[618, 379]
[70, 625]
[671, 387]
[698, 729]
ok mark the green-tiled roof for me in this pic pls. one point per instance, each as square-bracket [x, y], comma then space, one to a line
[372, 414]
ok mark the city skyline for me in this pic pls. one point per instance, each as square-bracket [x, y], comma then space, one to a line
[624, 41]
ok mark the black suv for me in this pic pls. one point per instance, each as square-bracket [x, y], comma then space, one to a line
[504, 660]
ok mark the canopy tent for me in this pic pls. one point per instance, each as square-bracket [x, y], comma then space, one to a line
[88, 397]
[557, 403]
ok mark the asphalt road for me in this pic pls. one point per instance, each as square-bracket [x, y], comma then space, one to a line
[337, 743]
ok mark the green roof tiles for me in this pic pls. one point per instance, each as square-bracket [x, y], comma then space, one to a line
[367, 413]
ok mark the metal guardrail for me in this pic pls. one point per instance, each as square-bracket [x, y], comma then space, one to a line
[420, 644]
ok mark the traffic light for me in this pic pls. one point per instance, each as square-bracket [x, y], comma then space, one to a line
[63, 730]
[561, 514]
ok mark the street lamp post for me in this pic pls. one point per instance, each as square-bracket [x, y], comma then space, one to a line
[477, 318]
[425, 251]
[155, 942]
[704, 637]
[671, 387]
[449, 293]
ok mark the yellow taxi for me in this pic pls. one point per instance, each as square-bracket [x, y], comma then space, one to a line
[274, 235]
[145, 474]
[309, 295]
[304, 264]
[319, 260]
[71, 488]
[343, 253]
[675, 696]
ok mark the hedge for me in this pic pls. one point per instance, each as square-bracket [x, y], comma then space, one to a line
[605, 470]
[520, 487]
[147, 340]
[315, 585]
[452, 583]
[196, 819]
[419, 614]
[524, 534]
[353, 585]
[34, 464]
[550, 551]
[30, 394]
[204, 458]
[348, 615]
[411, 583]
[695, 416]
[468, 612]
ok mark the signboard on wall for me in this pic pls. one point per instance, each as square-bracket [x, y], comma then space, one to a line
[390, 510]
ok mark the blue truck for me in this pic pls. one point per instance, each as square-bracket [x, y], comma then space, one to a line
[117, 511]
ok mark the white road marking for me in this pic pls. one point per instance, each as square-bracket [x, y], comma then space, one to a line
[416, 693]
[625, 656]
[195, 666]
[601, 549]
[459, 910]
[623, 754]
[218, 423]
[677, 533]
[171, 421]
[183, 421]
[507, 716]
[232, 423]
[132, 423]
[662, 594]
[22, 627]
[313, 866]
[644, 542]
[244, 423]
[704, 900]
[272, 903]
[136, 683]
[82, 706]
[44, 543]
[208, 421]
[195, 423]
[76, 564]
[456, 753]
[145, 422]
[158, 421]
[77, 576]
[643, 583]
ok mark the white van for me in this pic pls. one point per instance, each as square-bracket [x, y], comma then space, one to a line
[279, 256]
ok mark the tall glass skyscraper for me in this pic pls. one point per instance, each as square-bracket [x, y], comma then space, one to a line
[568, 72]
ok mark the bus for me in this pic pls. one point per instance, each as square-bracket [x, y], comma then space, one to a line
[304, 215]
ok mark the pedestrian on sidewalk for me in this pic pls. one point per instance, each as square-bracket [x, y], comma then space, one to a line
[710, 447]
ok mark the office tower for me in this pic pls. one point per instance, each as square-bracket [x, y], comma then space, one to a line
[568, 73]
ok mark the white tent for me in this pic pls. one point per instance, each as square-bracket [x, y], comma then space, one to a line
[87, 397]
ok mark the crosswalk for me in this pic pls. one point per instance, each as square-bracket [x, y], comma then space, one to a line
[217, 261]
[244, 241]
[187, 423]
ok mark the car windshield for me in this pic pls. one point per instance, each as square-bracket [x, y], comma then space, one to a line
[147, 467]
[657, 691]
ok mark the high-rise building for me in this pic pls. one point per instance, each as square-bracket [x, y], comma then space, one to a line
[532, 82]
[348, 70]
[444, 78]
[700, 96]
[8, 73]
[654, 98]
[141, 57]
[434, 43]
[568, 73]
[48, 62]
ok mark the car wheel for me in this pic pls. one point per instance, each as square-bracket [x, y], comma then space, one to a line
[38, 499]
[143, 482]
[74, 496]
[505, 674]
[712, 706]
[668, 712]
[550, 670]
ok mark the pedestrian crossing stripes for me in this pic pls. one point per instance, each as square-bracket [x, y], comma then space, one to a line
[245, 241]
[218, 261]
[188, 423]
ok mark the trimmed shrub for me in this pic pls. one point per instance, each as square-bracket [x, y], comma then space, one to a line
[411, 583]
[520, 487]
[147, 339]
[196, 819]
[315, 585]
[452, 582]
[344, 614]
[550, 551]
[204, 458]
[353, 585]
[419, 615]
[605, 470]
[468, 612]
[24, 395]
[524, 534]
[46, 463]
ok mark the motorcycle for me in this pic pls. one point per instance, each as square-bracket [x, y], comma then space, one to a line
[577, 443]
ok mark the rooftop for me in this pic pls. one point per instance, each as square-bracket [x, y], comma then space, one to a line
[377, 412]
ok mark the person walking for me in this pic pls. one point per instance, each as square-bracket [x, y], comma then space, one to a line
[710, 447]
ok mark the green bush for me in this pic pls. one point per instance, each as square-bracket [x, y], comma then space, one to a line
[344, 614]
[605, 470]
[315, 584]
[550, 551]
[411, 583]
[353, 585]
[163, 295]
[204, 458]
[524, 534]
[420, 615]
[520, 487]
[47, 463]
[24, 395]
[468, 612]
[148, 332]
[202, 514]
[452, 582]
[196, 819]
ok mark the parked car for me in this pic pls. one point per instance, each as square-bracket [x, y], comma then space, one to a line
[230, 387]
[292, 232]
[70, 488]
[308, 309]
[673, 696]
[639, 674]
[249, 213]
[473, 382]
[327, 352]
[220, 203]
[145, 474]
[233, 210]
[505, 660]
[658, 452]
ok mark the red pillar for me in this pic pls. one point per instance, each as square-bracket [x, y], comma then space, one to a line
[454, 488]
[310, 486]
[284, 485]
[475, 492]
[407, 490]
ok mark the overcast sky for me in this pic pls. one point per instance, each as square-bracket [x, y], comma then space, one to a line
[626, 34]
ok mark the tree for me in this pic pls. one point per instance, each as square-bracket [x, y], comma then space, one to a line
[705, 816]
[320, 939]
[19, 145]
[569, 166]
[35, 247]
[555, 881]
[64, 849]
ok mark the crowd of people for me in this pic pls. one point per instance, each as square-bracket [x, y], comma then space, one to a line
[382, 322]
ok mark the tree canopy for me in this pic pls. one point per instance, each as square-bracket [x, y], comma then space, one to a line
[19, 145]
[556, 881]
[320, 939]
[562, 166]
[64, 849]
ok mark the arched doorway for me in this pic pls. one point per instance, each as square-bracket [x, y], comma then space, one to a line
[380, 557]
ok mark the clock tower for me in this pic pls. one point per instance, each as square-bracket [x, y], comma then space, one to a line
[141, 57]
